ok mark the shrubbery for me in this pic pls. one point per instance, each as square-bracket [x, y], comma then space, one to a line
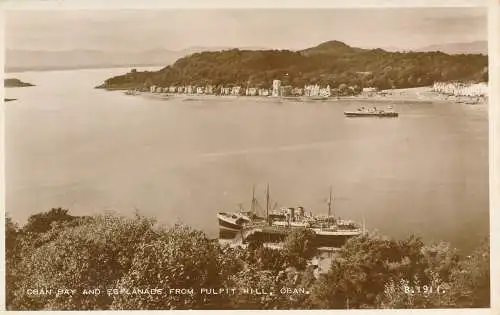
[57, 250]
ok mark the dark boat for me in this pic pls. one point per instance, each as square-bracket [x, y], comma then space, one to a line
[9, 99]
[371, 112]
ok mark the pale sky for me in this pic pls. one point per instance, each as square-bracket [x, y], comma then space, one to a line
[135, 30]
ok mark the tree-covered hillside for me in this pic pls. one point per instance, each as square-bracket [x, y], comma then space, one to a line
[332, 63]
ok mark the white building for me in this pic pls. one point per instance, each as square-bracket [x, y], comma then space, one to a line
[263, 92]
[276, 88]
[325, 92]
[312, 90]
[251, 92]
[209, 89]
[461, 89]
[236, 90]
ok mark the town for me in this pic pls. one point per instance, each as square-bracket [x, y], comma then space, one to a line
[453, 89]
[461, 89]
[276, 90]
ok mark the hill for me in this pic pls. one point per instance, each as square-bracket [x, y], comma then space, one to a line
[477, 47]
[332, 63]
[333, 47]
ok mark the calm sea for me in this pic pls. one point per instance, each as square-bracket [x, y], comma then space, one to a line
[69, 145]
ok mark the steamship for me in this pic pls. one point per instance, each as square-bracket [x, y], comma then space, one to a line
[371, 112]
[277, 224]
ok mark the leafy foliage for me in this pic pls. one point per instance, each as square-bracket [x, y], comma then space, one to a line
[12, 257]
[92, 255]
[111, 252]
[332, 63]
[367, 265]
[180, 259]
[41, 222]
[470, 281]
[298, 247]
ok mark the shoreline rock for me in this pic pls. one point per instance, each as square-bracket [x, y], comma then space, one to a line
[13, 82]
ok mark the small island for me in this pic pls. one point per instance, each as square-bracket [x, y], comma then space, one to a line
[12, 82]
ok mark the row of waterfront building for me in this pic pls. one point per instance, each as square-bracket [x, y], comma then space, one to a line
[461, 89]
[276, 90]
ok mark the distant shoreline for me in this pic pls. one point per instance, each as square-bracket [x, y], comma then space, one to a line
[418, 95]
[48, 69]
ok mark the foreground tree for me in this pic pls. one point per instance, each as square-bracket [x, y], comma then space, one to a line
[470, 280]
[116, 255]
[42, 222]
[365, 264]
[91, 255]
[12, 258]
[182, 259]
[299, 248]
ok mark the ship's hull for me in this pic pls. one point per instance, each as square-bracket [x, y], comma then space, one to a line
[230, 226]
[315, 98]
[228, 234]
[365, 114]
[274, 234]
[333, 239]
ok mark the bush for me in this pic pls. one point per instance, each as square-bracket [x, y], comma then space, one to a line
[299, 248]
[180, 259]
[92, 255]
[113, 252]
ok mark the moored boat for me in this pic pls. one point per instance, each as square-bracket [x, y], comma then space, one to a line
[328, 230]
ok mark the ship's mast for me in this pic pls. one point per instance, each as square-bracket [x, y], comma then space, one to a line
[253, 199]
[267, 202]
[330, 203]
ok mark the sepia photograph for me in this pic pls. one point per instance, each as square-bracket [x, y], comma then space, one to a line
[247, 159]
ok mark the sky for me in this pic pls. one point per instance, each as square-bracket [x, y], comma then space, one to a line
[136, 30]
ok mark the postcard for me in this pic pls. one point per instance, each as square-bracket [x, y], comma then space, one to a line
[300, 157]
